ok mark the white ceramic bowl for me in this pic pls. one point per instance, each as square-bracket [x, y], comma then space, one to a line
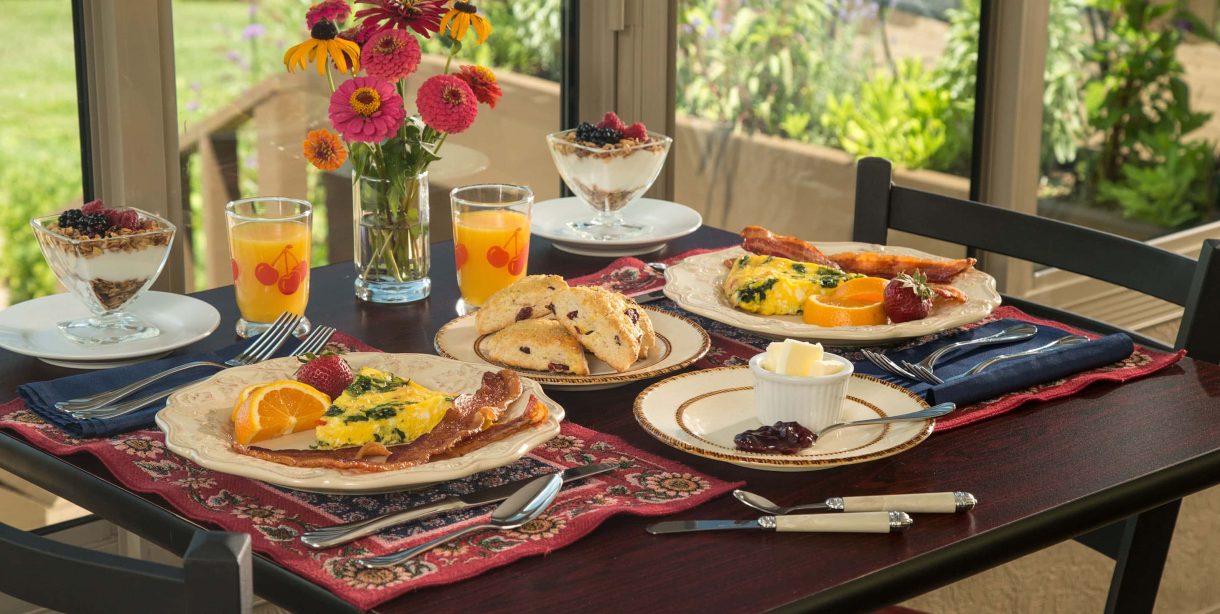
[814, 402]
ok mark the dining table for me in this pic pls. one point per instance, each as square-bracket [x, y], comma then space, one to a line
[1045, 473]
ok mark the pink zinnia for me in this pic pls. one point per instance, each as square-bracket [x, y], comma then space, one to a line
[359, 34]
[447, 104]
[366, 109]
[334, 11]
[390, 55]
[423, 16]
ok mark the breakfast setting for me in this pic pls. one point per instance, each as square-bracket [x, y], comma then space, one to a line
[520, 394]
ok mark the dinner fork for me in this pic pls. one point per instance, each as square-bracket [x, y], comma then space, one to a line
[932, 378]
[887, 364]
[316, 340]
[275, 335]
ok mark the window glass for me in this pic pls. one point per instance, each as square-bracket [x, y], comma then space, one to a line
[1130, 127]
[243, 117]
[40, 158]
[782, 102]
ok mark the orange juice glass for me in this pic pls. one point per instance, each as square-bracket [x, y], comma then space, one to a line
[270, 242]
[491, 239]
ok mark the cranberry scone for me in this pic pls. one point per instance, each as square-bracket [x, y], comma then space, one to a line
[526, 299]
[538, 345]
[598, 318]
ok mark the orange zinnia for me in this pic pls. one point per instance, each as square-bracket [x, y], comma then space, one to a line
[324, 149]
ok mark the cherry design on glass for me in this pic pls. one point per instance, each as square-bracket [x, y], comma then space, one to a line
[293, 272]
[498, 256]
[236, 270]
[460, 254]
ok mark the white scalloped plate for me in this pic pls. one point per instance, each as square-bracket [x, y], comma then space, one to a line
[694, 284]
[196, 424]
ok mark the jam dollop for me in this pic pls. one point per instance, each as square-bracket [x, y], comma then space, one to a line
[779, 438]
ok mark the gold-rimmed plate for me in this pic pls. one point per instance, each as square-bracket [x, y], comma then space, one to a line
[680, 342]
[701, 411]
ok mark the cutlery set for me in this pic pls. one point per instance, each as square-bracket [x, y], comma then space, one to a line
[111, 403]
[923, 371]
[522, 501]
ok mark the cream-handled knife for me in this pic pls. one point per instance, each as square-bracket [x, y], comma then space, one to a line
[858, 522]
[919, 503]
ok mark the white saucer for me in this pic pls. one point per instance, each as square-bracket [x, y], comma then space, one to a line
[668, 220]
[29, 328]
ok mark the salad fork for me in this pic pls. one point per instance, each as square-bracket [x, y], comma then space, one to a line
[315, 341]
[257, 351]
[932, 378]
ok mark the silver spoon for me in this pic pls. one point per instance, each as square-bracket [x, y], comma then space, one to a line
[523, 506]
[930, 502]
[935, 411]
[658, 266]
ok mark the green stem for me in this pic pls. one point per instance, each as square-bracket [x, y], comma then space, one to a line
[330, 78]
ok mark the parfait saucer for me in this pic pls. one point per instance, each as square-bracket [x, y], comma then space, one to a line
[664, 219]
[31, 328]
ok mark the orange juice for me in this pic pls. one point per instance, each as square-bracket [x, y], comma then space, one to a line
[270, 268]
[491, 249]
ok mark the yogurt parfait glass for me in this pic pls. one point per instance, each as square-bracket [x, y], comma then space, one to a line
[608, 178]
[106, 272]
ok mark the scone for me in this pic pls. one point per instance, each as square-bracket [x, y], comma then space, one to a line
[597, 318]
[529, 297]
[639, 316]
[538, 345]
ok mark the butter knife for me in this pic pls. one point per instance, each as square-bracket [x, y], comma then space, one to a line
[339, 534]
[850, 522]
[649, 297]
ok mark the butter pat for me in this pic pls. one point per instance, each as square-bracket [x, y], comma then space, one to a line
[792, 357]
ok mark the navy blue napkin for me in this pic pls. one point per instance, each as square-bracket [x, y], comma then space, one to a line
[1007, 376]
[40, 397]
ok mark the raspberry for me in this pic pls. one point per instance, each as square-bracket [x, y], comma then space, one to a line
[612, 121]
[636, 131]
[124, 218]
[94, 206]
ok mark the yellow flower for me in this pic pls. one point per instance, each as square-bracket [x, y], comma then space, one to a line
[461, 17]
[324, 150]
[323, 45]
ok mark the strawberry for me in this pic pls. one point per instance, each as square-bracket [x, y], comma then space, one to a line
[636, 131]
[328, 373]
[908, 297]
[611, 120]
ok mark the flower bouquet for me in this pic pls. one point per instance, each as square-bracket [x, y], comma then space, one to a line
[389, 150]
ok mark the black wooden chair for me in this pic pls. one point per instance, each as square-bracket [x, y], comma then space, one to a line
[1138, 544]
[215, 576]
[880, 206]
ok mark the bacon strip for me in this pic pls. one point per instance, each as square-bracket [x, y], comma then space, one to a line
[759, 240]
[535, 413]
[890, 265]
[471, 413]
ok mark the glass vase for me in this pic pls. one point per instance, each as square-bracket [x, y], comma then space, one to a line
[391, 223]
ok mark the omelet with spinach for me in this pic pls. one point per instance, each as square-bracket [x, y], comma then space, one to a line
[769, 285]
[381, 407]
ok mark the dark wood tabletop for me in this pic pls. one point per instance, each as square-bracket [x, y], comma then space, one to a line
[1044, 473]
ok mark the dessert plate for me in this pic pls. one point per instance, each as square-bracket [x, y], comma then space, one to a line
[29, 328]
[668, 220]
[695, 285]
[197, 426]
[680, 342]
[700, 412]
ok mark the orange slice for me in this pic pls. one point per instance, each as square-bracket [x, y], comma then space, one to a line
[242, 397]
[832, 311]
[862, 289]
[278, 408]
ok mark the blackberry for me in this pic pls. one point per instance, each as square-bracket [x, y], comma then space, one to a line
[589, 133]
[94, 224]
[70, 218]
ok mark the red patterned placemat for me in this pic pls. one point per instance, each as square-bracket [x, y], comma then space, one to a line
[732, 346]
[644, 485]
